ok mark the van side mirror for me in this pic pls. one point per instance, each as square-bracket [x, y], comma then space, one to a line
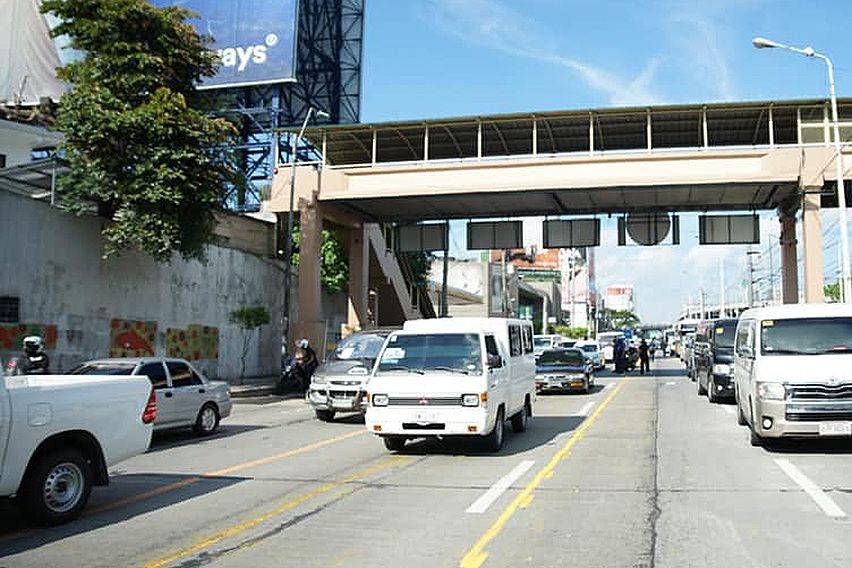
[746, 352]
[494, 361]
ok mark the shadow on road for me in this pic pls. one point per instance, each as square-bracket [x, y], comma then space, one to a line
[809, 446]
[594, 390]
[185, 436]
[126, 497]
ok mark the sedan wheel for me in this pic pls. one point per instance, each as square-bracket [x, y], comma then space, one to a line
[207, 421]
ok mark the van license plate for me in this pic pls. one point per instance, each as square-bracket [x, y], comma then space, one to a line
[425, 417]
[835, 429]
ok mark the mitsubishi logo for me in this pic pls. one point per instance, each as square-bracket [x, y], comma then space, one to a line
[423, 401]
[833, 382]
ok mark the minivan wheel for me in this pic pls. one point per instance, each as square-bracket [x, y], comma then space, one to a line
[741, 419]
[711, 390]
[754, 438]
[394, 443]
[324, 415]
[207, 421]
[520, 420]
[493, 442]
[57, 487]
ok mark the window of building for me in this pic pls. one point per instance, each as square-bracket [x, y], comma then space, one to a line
[10, 309]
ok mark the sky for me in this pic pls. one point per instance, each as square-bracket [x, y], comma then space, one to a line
[440, 58]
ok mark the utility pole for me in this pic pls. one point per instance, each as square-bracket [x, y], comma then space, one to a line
[701, 305]
[771, 275]
[749, 254]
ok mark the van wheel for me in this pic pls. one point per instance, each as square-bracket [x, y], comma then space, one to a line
[741, 419]
[493, 442]
[207, 421]
[520, 420]
[325, 415]
[394, 443]
[57, 487]
[754, 438]
[711, 391]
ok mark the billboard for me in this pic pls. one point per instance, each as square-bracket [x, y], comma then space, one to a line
[255, 39]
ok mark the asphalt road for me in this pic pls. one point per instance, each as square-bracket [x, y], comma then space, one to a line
[640, 473]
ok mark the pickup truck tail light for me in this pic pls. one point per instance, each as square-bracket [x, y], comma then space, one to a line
[150, 412]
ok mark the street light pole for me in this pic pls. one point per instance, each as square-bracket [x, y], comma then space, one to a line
[288, 250]
[762, 43]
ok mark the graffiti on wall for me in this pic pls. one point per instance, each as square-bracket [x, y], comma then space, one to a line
[12, 334]
[193, 343]
[129, 338]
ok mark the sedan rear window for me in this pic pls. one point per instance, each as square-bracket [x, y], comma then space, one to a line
[103, 369]
[563, 357]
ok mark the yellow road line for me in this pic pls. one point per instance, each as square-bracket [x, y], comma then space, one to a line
[477, 555]
[251, 523]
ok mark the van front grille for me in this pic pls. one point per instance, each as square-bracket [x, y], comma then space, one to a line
[425, 401]
[819, 391]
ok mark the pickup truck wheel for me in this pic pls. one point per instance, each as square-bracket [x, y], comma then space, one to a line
[324, 415]
[207, 421]
[493, 442]
[520, 420]
[57, 487]
[394, 443]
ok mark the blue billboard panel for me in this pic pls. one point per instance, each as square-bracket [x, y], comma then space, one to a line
[255, 39]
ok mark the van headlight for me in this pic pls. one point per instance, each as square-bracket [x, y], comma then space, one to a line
[319, 380]
[721, 369]
[470, 400]
[380, 400]
[771, 391]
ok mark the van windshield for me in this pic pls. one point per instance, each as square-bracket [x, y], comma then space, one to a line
[452, 352]
[806, 336]
[724, 334]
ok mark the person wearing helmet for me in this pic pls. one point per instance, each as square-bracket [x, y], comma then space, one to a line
[35, 360]
[307, 362]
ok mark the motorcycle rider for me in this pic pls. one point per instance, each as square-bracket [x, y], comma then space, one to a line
[35, 360]
[307, 362]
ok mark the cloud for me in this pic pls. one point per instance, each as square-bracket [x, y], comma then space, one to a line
[697, 37]
[494, 25]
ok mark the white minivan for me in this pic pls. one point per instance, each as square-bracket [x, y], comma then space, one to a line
[793, 371]
[453, 377]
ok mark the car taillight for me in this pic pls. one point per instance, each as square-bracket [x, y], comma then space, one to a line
[150, 412]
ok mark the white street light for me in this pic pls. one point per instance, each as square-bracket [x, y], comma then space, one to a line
[288, 252]
[846, 277]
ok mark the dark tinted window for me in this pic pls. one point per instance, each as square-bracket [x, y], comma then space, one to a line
[528, 339]
[562, 357]
[723, 334]
[103, 369]
[806, 336]
[491, 345]
[514, 340]
[182, 376]
[156, 373]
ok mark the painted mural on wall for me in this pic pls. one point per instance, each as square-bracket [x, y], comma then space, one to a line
[193, 343]
[12, 334]
[130, 338]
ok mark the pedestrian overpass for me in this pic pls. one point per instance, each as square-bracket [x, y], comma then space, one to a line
[705, 158]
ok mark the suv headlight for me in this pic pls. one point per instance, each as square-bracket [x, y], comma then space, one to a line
[319, 380]
[380, 400]
[470, 400]
[771, 391]
[721, 369]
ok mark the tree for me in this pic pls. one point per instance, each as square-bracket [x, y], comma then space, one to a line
[832, 292]
[334, 264]
[571, 332]
[248, 318]
[139, 142]
[620, 319]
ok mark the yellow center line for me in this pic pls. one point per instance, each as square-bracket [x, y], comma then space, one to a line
[477, 555]
[283, 508]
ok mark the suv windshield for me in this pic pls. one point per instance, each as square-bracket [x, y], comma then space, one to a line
[103, 369]
[724, 334]
[358, 346]
[454, 352]
[806, 336]
[564, 357]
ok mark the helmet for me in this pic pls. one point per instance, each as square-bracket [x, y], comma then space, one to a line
[303, 343]
[33, 344]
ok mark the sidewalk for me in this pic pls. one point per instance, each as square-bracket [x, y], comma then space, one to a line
[257, 386]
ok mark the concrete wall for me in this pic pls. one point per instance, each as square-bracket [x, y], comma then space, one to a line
[18, 140]
[52, 261]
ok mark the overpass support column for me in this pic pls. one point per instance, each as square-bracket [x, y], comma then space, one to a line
[789, 258]
[812, 245]
[309, 324]
[359, 278]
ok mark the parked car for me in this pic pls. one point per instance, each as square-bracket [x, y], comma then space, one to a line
[592, 350]
[339, 384]
[564, 369]
[185, 396]
[453, 376]
[544, 342]
[793, 371]
[60, 434]
[713, 356]
[606, 340]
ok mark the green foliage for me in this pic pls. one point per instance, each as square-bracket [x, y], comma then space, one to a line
[250, 317]
[571, 332]
[420, 263]
[138, 141]
[620, 319]
[832, 292]
[334, 267]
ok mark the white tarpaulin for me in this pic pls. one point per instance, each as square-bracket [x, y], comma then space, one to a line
[28, 55]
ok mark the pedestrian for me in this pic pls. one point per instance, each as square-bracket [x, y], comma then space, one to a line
[618, 355]
[652, 349]
[644, 364]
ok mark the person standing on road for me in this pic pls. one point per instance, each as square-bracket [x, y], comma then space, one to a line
[618, 355]
[644, 363]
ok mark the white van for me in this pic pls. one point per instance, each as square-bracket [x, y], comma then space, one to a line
[793, 371]
[453, 377]
[606, 341]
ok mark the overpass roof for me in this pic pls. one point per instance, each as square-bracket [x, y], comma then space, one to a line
[658, 127]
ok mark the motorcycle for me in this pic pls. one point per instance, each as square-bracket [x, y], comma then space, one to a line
[296, 375]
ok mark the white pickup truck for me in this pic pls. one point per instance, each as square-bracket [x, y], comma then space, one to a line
[60, 433]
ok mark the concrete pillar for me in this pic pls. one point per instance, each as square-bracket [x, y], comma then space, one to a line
[789, 259]
[359, 279]
[812, 245]
[310, 324]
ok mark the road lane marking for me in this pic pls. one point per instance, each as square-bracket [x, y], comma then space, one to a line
[823, 501]
[500, 486]
[477, 555]
[283, 508]
[588, 407]
[669, 383]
